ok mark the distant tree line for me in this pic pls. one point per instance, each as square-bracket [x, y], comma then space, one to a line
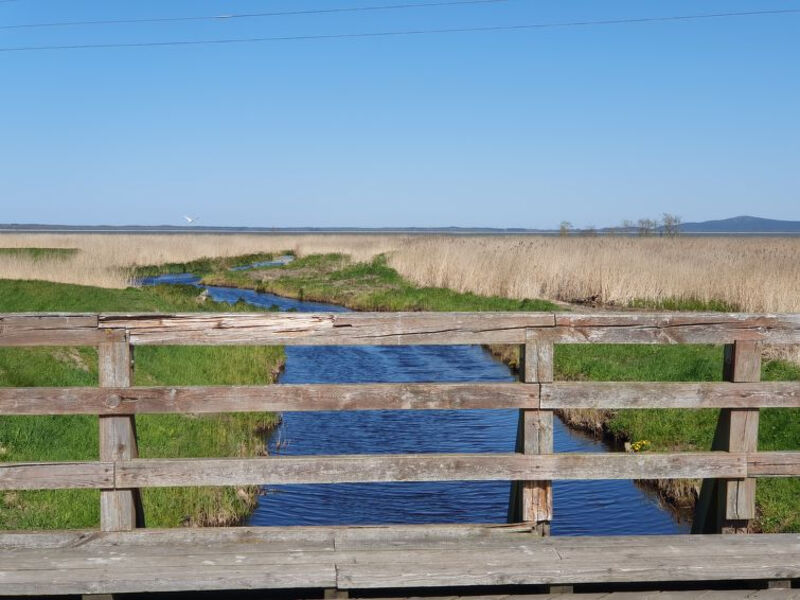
[668, 225]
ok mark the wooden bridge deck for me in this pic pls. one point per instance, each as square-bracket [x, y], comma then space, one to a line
[360, 558]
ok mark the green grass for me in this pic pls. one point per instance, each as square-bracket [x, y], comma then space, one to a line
[204, 266]
[685, 304]
[370, 286]
[37, 253]
[60, 438]
[690, 430]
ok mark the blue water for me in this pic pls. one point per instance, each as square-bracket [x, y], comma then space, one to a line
[580, 507]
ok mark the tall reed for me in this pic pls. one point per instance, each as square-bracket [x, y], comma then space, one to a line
[750, 274]
[108, 260]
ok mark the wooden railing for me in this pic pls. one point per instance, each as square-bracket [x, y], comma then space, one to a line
[730, 469]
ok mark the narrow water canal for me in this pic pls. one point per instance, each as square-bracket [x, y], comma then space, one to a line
[580, 507]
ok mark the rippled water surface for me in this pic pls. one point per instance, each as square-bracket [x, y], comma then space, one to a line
[580, 507]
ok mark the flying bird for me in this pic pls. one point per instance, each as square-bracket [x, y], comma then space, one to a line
[190, 220]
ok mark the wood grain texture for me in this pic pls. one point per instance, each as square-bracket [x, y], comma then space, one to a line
[399, 556]
[536, 359]
[120, 510]
[53, 330]
[773, 464]
[675, 328]
[591, 394]
[532, 501]
[742, 362]
[398, 328]
[729, 506]
[126, 474]
[425, 467]
[742, 365]
[276, 398]
[328, 328]
[310, 397]
[52, 476]
[450, 328]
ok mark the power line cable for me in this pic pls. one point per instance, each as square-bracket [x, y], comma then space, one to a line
[410, 32]
[319, 11]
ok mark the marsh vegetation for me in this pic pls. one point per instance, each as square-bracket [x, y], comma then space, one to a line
[695, 273]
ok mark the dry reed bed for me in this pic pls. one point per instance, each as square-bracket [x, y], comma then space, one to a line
[753, 274]
[107, 260]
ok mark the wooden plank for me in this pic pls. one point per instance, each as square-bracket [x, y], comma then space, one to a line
[452, 536]
[373, 557]
[328, 328]
[532, 501]
[686, 334]
[627, 559]
[51, 476]
[660, 319]
[742, 362]
[424, 467]
[773, 464]
[275, 398]
[269, 539]
[53, 330]
[154, 556]
[114, 579]
[397, 328]
[120, 509]
[729, 506]
[534, 569]
[672, 328]
[742, 365]
[310, 397]
[591, 394]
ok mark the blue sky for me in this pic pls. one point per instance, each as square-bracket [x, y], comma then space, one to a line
[504, 129]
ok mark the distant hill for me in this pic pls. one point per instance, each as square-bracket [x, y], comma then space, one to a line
[743, 224]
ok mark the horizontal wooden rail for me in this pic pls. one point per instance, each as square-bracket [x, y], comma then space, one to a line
[55, 330]
[427, 467]
[136, 473]
[278, 398]
[615, 395]
[54, 476]
[676, 328]
[395, 396]
[329, 328]
[396, 328]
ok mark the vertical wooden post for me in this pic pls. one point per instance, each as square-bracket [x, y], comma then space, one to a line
[742, 365]
[120, 510]
[532, 501]
[728, 506]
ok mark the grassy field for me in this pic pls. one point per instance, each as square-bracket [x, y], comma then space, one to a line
[371, 285]
[60, 438]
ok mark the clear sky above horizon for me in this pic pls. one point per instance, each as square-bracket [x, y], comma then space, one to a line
[512, 128]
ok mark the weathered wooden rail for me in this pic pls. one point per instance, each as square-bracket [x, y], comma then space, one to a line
[124, 557]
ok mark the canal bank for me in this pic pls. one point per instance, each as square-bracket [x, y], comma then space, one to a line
[581, 507]
[375, 286]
